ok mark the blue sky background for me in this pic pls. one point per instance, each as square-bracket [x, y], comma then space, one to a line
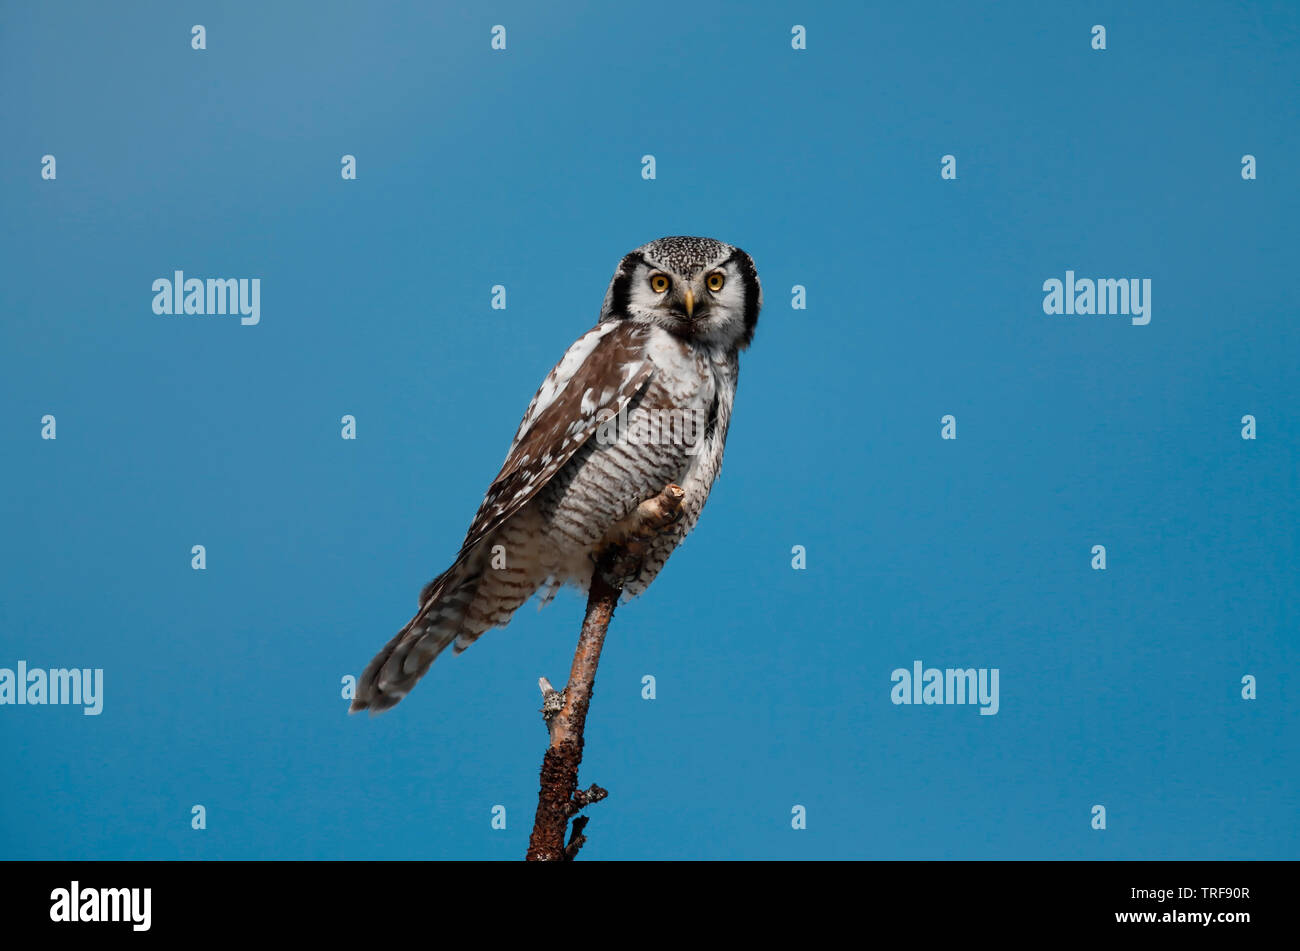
[222, 687]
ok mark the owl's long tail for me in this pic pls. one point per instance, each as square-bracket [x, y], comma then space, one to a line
[392, 672]
[470, 597]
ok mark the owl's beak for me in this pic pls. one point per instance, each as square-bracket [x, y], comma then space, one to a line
[690, 303]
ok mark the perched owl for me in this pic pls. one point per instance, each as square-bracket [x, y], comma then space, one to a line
[640, 401]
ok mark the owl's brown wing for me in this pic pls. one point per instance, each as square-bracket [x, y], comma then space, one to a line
[603, 372]
[590, 383]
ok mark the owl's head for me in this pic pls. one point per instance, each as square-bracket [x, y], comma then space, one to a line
[697, 288]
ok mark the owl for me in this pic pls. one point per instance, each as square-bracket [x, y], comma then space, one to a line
[640, 401]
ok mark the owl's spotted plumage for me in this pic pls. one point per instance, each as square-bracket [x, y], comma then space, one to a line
[641, 400]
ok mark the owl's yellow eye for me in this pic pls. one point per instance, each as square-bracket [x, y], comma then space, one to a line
[715, 281]
[658, 283]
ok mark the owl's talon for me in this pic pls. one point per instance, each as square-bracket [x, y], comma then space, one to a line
[619, 556]
[619, 581]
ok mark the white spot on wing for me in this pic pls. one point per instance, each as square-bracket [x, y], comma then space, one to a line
[560, 376]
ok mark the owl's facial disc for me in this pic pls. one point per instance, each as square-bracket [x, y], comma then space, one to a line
[682, 300]
[695, 288]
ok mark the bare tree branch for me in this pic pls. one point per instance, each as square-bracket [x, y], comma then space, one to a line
[565, 712]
